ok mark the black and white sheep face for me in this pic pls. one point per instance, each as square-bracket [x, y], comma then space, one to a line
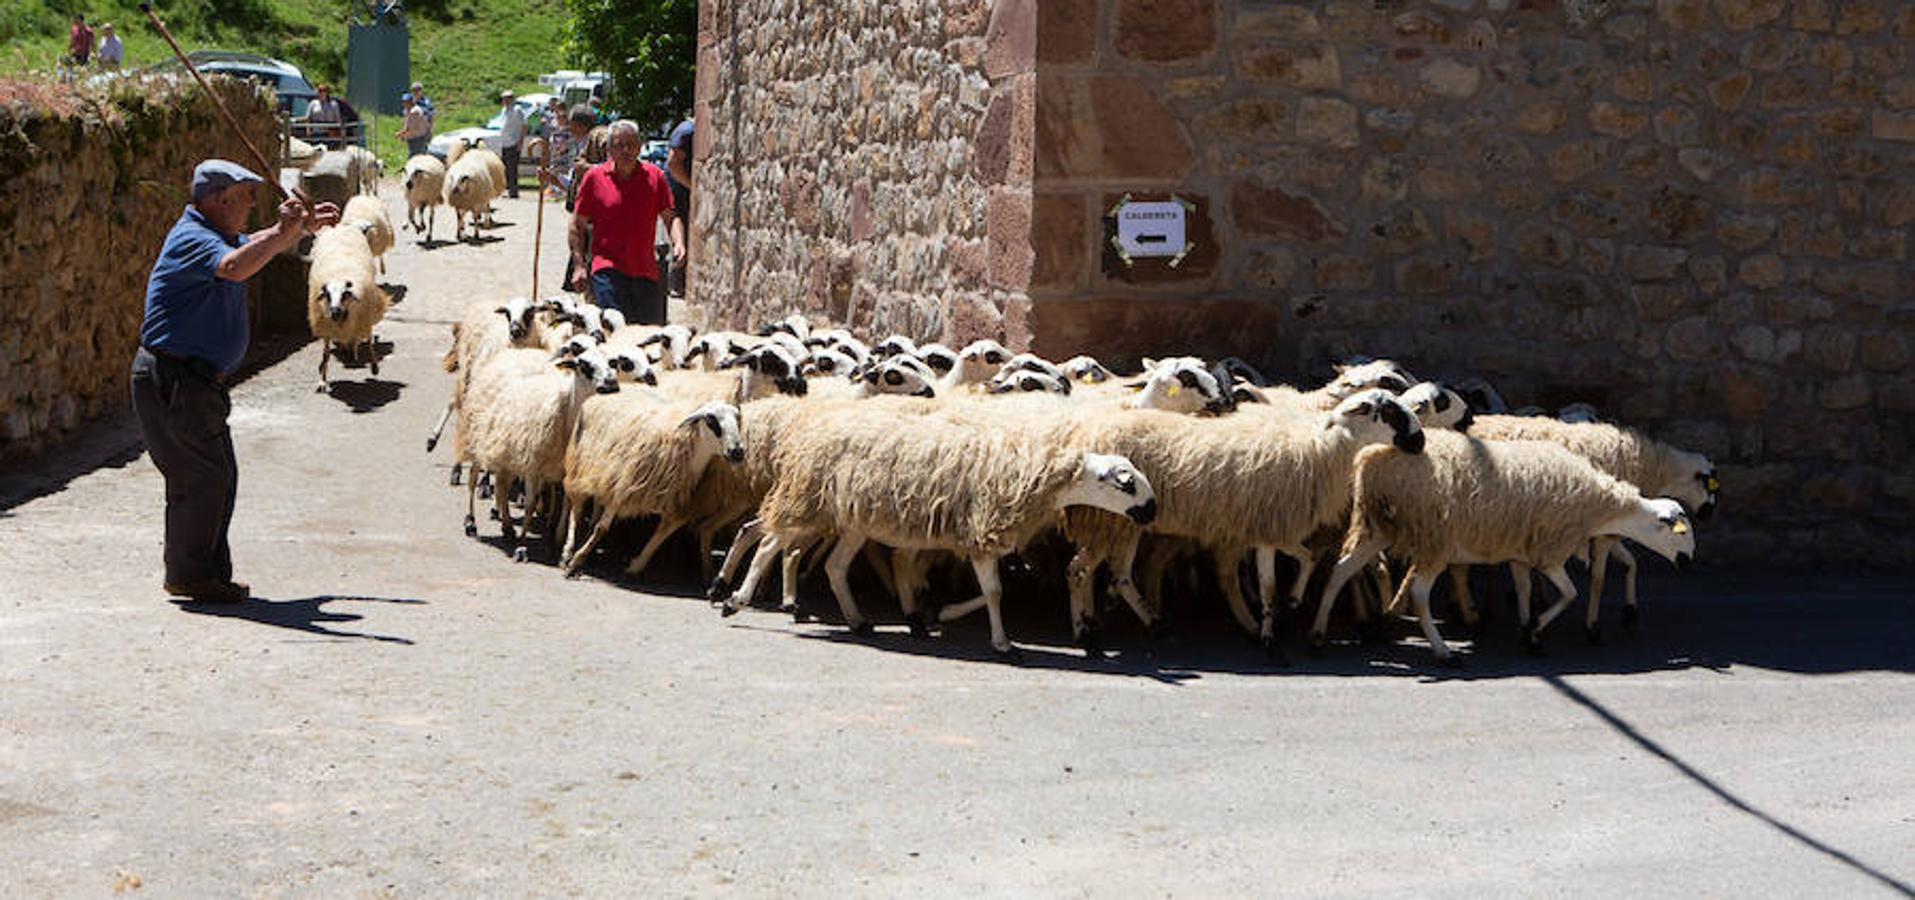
[1700, 491]
[766, 370]
[1377, 373]
[900, 375]
[1436, 406]
[895, 345]
[591, 367]
[940, 358]
[829, 363]
[1031, 362]
[1183, 385]
[1085, 369]
[1376, 416]
[1111, 483]
[575, 345]
[632, 365]
[338, 296]
[1659, 524]
[718, 430]
[518, 313]
[1028, 382]
[980, 360]
[795, 326]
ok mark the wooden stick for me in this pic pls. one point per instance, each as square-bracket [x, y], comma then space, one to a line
[268, 171]
[538, 218]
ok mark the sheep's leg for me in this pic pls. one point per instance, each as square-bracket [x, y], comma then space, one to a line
[1519, 576]
[572, 525]
[325, 358]
[1420, 580]
[1266, 561]
[746, 538]
[1598, 572]
[502, 504]
[1630, 614]
[667, 526]
[1465, 602]
[904, 577]
[573, 562]
[1566, 594]
[824, 550]
[991, 594]
[471, 505]
[760, 563]
[1122, 562]
[1346, 568]
[874, 557]
[1306, 566]
[372, 344]
[1081, 577]
[789, 576]
[1225, 560]
[1155, 562]
[836, 565]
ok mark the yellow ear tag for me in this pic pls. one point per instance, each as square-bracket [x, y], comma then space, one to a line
[1084, 377]
[1713, 485]
[1680, 527]
[1174, 389]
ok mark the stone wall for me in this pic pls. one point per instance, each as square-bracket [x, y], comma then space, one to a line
[866, 161]
[90, 182]
[1693, 214]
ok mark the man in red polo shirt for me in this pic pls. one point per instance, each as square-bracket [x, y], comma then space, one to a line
[622, 199]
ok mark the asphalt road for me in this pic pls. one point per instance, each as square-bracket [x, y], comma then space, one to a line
[403, 711]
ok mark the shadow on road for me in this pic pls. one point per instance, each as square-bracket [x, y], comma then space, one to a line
[298, 615]
[366, 396]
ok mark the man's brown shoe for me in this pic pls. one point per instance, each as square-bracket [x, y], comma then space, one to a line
[211, 591]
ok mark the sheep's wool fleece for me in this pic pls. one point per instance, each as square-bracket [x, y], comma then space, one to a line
[632, 453]
[518, 413]
[341, 253]
[1625, 453]
[979, 492]
[478, 187]
[1463, 498]
[425, 175]
[367, 208]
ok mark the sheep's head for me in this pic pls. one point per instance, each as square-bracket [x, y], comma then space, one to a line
[979, 360]
[1111, 483]
[592, 368]
[1031, 362]
[1376, 416]
[894, 345]
[337, 295]
[718, 431]
[1700, 490]
[828, 362]
[940, 358]
[1028, 382]
[1437, 406]
[632, 364]
[767, 369]
[1182, 385]
[1659, 524]
[518, 316]
[1376, 373]
[1481, 396]
[794, 325]
[1086, 369]
[899, 375]
[612, 320]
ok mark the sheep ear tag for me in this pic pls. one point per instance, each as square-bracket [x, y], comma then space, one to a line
[1680, 527]
[1174, 388]
[1713, 485]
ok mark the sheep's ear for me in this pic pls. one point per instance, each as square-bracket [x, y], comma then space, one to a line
[567, 362]
[1150, 362]
[1365, 408]
[1134, 385]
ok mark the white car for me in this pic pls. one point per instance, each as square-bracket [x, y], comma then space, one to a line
[532, 105]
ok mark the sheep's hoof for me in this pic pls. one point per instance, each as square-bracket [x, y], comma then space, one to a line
[1092, 645]
[1533, 643]
[492, 515]
[520, 554]
[1593, 634]
[920, 628]
[796, 612]
[456, 476]
[1631, 617]
[432, 442]
[719, 588]
[471, 526]
[1273, 652]
[485, 493]
[1008, 653]
[373, 367]
[321, 388]
[863, 629]
[727, 610]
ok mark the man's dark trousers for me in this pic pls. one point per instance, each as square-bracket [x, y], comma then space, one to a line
[510, 156]
[182, 409]
[637, 298]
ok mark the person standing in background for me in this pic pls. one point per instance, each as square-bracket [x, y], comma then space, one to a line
[112, 52]
[678, 169]
[415, 129]
[322, 113]
[512, 139]
[425, 105]
[623, 200]
[79, 41]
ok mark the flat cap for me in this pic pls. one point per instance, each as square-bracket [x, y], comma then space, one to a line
[215, 175]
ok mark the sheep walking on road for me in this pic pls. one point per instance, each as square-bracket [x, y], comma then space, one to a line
[636, 455]
[424, 182]
[343, 300]
[370, 212]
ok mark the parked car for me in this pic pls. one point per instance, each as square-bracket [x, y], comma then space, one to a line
[284, 78]
[532, 105]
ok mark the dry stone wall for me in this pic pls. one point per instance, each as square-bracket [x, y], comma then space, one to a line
[866, 161]
[90, 182]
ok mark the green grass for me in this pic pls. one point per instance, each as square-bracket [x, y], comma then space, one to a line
[465, 51]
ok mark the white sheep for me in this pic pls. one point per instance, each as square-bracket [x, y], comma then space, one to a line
[978, 362]
[673, 342]
[794, 325]
[978, 491]
[478, 335]
[372, 212]
[518, 416]
[894, 345]
[425, 177]
[635, 456]
[1464, 500]
[469, 188]
[343, 300]
[370, 168]
[1086, 369]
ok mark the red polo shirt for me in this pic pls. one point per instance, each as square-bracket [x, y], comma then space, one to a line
[624, 216]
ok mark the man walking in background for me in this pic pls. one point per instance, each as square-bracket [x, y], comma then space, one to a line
[193, 336]
[622, 200]
[512, 137]
[415, 129]
[678, 165]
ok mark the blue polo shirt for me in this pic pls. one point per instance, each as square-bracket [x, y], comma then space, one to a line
[190, 310]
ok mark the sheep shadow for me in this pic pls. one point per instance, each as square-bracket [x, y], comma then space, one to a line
[365, 396]
[481, 240]
[432, 243]
[303, 615]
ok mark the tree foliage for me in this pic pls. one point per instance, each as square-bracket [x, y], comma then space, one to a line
[650, 47]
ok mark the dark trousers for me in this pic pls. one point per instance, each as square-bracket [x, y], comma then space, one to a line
[510, 156]
[638, 298]
[182, 411]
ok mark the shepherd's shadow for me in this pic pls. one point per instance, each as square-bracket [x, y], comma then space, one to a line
[299, 615]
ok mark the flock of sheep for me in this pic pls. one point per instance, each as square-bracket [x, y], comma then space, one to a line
[814, 444]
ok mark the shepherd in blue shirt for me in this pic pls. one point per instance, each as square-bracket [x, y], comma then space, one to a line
[193, 336]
